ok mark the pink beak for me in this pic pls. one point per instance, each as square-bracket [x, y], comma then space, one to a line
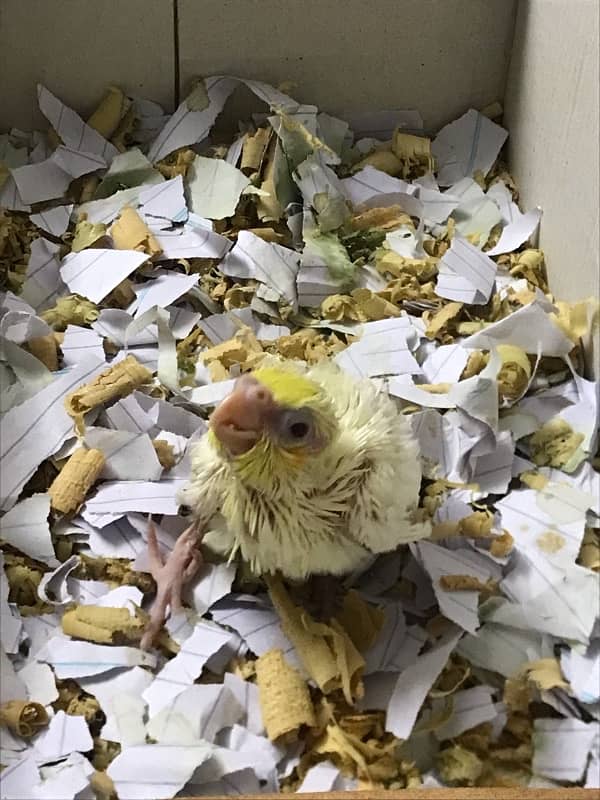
[240, 419]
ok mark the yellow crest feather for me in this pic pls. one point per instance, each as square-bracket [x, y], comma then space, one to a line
[288, 388]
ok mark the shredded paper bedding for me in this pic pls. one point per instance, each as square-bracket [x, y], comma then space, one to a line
[145, 264]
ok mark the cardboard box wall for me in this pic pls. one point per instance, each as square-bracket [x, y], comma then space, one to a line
[538, 57]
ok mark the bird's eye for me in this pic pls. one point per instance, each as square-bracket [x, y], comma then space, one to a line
[295, 427]
[299, 430]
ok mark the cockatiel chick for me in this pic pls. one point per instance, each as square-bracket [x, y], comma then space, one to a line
[305, 472]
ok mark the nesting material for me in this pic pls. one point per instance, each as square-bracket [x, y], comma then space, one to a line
[70, 487]
[284, 697]
[327, 652]
[102, 625]
[23, 717]
[113, 383]
[136, 295]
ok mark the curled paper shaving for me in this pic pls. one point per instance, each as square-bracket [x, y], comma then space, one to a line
[23, 717]
[45, 348]
[70, 487]
[165, 453]
[284, 697]
[130, 232]
[115, 382]
[102, 625]
[326, 651]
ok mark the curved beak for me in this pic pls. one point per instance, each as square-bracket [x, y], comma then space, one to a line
[239, 421]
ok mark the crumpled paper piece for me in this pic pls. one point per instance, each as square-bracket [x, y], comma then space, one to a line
[514, 374]
[359, 744]
[165, 453]
[71, 310]
[413, 152]
[107, 115]
[87, 233]
[440, 323]
[545, 674]
[307, 345]
[130, 232]
[103, 625]
[70, 487]
[284, 697]
[554, 444]
[23, 717]
[243, 349]
[115, 382]
[383, 160]
[326, 651]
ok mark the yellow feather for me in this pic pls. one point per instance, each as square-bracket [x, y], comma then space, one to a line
[288, 388]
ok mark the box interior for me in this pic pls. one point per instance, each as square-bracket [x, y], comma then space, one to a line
[540, 58]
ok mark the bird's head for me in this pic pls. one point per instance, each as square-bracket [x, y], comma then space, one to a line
[272, 423]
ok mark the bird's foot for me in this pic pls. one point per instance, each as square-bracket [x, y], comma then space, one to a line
[170, 575]
[323, 597]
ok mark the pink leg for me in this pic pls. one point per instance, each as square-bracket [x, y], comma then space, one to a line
[180, 566]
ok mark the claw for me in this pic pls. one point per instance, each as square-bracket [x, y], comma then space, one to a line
[170, 575]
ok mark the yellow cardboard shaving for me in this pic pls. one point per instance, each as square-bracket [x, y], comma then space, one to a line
[413, 152]
[236, 296]
[87, 234]
[576, 319]
[589, 555]
[387, 261]
[254, 150]
[477, 525]
[338, 307]
[107, 116]
[244, 348]
[112, 384]
[501, 546]
[165, 453]
[459, 765]
[438, 322]
[71, 485]
[45, 348]
[102, 625]
[130, 232]
[517, 694]
[102, 785]
[308, 345]
[383, 160]
[70, 310]
[372, 306]
[529, 264]
[23, 717]
[463, 583]
[362, 621]
[326, 651]
[177, 163]
[284, 697]
[535, 480]
[514, 373]
[121, 138]
[121, 296]
[554, 444]
[268, 206]
[546, 674]
[267, 234]
[386, 218]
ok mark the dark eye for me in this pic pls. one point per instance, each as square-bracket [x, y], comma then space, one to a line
[299, 430]
[295, 427]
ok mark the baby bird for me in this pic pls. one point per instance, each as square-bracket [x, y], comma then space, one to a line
[305, 472]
